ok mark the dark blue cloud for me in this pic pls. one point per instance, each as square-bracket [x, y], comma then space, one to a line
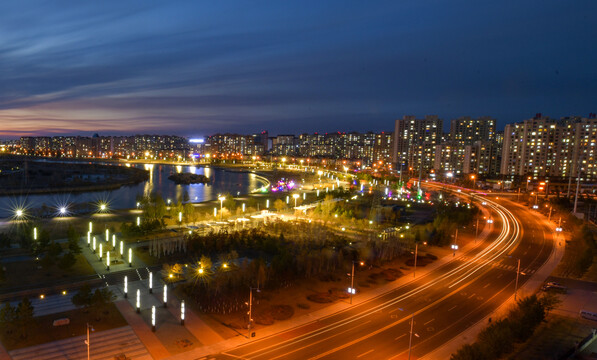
[203, 67]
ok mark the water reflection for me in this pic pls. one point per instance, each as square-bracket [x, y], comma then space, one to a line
[222, 181]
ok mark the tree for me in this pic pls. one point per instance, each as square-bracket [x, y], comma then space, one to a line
[73, 240]
[279, 205]
[8, 314]
[67, 261]
[83, 297]
[100, 300]
[190, 213]
[24, 316]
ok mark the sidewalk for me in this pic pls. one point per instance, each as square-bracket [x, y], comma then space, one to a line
[142, 330]
[529, 288]
[332, 309]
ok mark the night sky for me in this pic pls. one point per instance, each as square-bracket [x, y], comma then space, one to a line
[198, 67]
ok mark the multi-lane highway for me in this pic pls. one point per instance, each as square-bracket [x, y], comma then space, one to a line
[440, 304]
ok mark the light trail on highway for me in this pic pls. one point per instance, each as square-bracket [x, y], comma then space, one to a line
[452, 280]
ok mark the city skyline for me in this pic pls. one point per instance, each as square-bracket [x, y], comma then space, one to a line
[197, 69]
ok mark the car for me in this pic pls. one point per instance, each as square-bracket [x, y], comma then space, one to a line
[555, 288]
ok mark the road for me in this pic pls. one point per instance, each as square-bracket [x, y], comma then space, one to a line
[441, 304]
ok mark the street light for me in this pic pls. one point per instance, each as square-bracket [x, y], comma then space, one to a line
[221, 198]
[87, 342]
[153, 318]
[138, 303]
[251, 308]
[182, 313]
[351, 289]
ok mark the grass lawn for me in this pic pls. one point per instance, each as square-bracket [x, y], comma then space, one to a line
[42, 331]
[31, 272]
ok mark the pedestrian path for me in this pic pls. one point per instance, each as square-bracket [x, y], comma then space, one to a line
[105, 345]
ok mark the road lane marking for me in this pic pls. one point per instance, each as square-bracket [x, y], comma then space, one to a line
[499, 276]
[486, 285]
[429, 322]
[452, 308]
[473, 294]
[401, 336]
[365, 353]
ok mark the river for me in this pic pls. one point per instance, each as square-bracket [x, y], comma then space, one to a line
[222, 181]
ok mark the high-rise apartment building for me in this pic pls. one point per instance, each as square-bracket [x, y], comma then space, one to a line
[415, 141]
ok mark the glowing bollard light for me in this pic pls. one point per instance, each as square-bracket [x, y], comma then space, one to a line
[107, 235]
[150, 282]
[317, 192]
[180, 216]
[88, 239]
[333, 187]
[101, 251]
[114, 241]
[35, 233]
[94, 244]
[90, 226]
[138, 301]
[304, 196]
[182, 313]
[130, 257]
[215, 212]
[267, 204]
[126, 287]
[326, 190]
[108, 260]
[121, 247]
[287, 199]
[138, 220]
[165, 296]
[153, 318]
[243, 207]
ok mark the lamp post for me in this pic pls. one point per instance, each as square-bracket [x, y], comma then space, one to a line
[516, 285]
[165, 296]
[153, 318]
[221, 198]
[351, 289]
[138, 302]
[416, 250]
[182, 313]
[87, 342]
[251, 308]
